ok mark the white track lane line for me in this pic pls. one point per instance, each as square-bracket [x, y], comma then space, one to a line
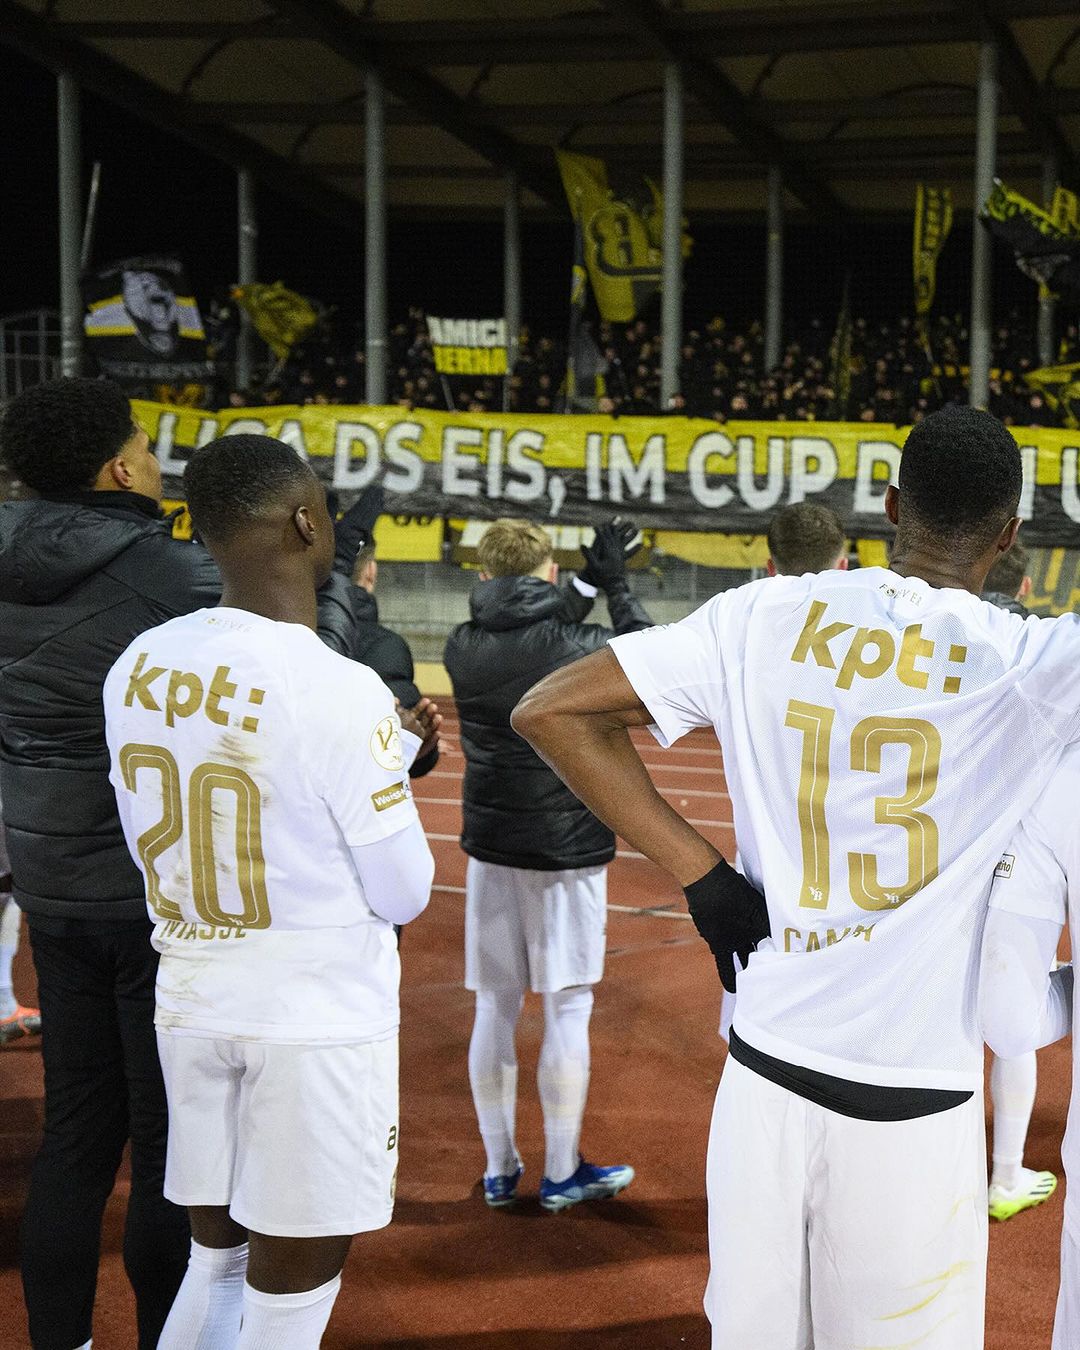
[665, 791]
[452, 752]
[666, 768]
[648, 910]
[453, 839]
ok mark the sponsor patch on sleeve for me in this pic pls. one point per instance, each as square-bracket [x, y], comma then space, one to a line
[390, 796]
[1005, 866]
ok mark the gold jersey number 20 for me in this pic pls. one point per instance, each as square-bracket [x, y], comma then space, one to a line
[867, 742]
[205, 780]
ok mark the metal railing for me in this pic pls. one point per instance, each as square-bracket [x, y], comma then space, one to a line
[29, 350]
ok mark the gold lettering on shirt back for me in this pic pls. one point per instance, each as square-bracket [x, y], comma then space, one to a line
[871, 652]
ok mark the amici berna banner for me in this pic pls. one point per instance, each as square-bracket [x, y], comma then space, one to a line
[670, 473]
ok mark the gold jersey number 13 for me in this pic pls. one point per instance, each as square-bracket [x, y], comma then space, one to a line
[867, 742]
[205, 780]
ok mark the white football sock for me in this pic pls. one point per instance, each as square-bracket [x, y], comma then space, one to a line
[562, 1076]
[1012, 1090]
[205, 1314]
[9, 945]
[493, 1075]
[286, 1321]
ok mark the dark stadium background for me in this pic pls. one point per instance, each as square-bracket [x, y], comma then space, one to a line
[160, 195]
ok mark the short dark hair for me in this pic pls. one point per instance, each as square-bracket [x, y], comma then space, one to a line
[1008, 573]
[231, 482]
[55, 437]
[805, 537]
[960, 478]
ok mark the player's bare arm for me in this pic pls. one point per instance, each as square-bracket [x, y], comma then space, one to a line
[578, 720]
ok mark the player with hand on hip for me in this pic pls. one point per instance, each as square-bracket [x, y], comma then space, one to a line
[804, 537]
[262, 782]
[866, 719]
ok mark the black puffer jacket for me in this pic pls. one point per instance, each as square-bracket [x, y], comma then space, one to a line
[79, 580]
[388, 655]
[516, 811]
[1008, 602]
[386, 652]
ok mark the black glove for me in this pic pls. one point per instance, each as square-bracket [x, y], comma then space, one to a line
[356, 528]
[730, 915]
[606, 557]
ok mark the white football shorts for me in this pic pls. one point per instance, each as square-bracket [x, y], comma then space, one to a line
[830, 1232]
[297, 1140]
[525, 929]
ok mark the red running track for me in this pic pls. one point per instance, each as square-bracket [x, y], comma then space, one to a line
[449, 1274]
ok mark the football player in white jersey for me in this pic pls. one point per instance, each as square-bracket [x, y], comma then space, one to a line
[803, 537]
[1013, 1082]
[263, 787]
[867, 721]
[1024, 1003]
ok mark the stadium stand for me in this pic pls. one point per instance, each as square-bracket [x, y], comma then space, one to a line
[894, 377]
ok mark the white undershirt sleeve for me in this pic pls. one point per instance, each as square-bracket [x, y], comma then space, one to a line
[1022, 1003]
[410, 747]
[396, 873]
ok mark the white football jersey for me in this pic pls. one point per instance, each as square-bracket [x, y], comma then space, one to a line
[247, 758]
[1038, 875]
[881, 740]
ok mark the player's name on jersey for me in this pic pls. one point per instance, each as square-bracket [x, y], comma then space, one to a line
[184, 693]
[815, 940]
[176, 930]
[869, 653]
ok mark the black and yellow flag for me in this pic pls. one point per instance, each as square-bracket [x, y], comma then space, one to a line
[622, 242]
[933, 221]
[1046, 244]
[143, 327]
[1060, 386]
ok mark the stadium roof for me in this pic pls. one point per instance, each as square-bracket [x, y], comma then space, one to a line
[856, 99]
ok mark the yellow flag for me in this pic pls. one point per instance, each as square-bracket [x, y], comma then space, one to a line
[621, 257]
[933, 221]
[281, 317]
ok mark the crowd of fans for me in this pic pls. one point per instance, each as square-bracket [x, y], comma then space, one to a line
[894, 374]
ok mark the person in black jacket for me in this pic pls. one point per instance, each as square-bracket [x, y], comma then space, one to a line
[375, 645]
[1008, 583]
[536, 882]
[386, 652]
[84, 568]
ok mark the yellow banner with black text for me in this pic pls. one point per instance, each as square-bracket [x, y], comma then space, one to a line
[668, 473]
